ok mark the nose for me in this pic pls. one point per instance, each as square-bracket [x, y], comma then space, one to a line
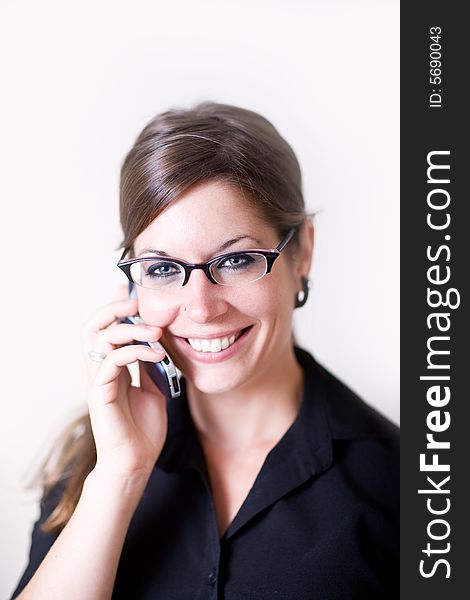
[203, 301]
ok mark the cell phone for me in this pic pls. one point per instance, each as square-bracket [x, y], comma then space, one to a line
[162, 373]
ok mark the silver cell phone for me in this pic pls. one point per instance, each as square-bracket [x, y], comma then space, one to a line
[162, 373]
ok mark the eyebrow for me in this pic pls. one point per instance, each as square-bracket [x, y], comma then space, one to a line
[224, 246]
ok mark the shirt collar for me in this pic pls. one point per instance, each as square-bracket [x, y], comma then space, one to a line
[307, 441]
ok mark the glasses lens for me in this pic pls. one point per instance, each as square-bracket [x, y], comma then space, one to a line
[157, 274]
[239, 269]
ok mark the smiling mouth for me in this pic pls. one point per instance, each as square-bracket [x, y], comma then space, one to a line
[215, 345]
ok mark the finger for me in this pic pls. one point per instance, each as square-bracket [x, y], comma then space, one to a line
[105, 317]
[107, 339]
[108, 314]
[112, 365]
[126, 333]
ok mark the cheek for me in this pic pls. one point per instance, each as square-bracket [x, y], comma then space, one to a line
[271, 302]
[155, 312]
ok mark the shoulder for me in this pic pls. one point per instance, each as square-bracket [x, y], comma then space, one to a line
[365, 452]
[349, 417]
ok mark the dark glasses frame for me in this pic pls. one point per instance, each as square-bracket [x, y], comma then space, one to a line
[269, 254]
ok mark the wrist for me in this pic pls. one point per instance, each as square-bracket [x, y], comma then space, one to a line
[128, 486]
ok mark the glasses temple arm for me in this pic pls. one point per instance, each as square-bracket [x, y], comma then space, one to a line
[286, 240]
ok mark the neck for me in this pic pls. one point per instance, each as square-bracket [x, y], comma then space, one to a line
[254, 415]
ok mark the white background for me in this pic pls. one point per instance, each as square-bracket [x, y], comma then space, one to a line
[79, 82]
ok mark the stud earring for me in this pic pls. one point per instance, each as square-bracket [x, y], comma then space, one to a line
[302, 295]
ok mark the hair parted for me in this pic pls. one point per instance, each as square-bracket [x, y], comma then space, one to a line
[211, 141]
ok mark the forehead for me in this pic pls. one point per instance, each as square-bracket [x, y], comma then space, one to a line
[203, 218]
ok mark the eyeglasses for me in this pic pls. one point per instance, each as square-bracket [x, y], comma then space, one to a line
[232, 269]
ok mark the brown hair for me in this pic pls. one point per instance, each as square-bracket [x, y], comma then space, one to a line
[175, 150]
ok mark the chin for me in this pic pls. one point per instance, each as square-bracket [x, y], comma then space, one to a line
[210, 383]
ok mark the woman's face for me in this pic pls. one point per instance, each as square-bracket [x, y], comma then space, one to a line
[194, 229]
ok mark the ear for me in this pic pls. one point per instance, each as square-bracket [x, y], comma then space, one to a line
[305, 252]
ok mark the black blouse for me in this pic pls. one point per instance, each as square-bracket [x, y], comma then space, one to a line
[320, 522]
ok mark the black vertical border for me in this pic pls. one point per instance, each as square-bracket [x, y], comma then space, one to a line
[425, 129]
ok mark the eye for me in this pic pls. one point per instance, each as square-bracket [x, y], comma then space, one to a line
[161, 270]
[235, 262]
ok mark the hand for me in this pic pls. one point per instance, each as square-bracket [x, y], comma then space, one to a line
[129, 424]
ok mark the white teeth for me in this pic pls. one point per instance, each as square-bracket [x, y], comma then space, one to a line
[212, 345]
[216, 345]
[195, 343]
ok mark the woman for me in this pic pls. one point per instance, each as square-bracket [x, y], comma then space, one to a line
[267, 477]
